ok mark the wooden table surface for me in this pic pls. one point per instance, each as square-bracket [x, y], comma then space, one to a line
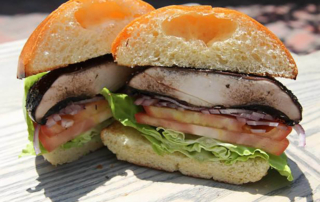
[99, 176]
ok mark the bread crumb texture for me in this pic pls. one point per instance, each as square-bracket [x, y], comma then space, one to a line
[129, 145]
[203, 37]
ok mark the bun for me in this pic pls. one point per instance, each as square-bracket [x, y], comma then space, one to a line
[77, 31]
[60, 156]
[129, 145]
[203, 37]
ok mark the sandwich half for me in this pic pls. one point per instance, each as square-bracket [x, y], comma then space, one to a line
[204, 101]
[66, 62]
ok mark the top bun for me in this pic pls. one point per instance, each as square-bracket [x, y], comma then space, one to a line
[77, 31]
[203, 37]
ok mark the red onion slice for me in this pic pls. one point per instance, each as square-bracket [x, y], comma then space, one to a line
[262, 123]
[171, 105]
[146, 97]
[258, 115]
[67, 123]
[205, 111]
[62, 112]
[169, 102]
[268, 117]
[50, 122]
[68, 110]
[242, 120]
[76, 107]
[36, 145]
[235, 111]
[56, 117]
[180, 105]
[72, 109]
[149, 102]
[273, 124]
[282, 127]
[258, 130]
[214, 111]
[302, 135]
[247, 116]
[89, 100]
[74, 112]
[163, 104]
[139, 101]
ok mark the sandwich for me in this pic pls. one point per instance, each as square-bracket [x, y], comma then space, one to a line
[66, 62]
[204, 100]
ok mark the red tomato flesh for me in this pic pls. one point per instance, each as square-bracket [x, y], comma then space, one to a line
[275, 133]
[52, 131]
[216, 121]
[91, 110]
[56, 135]
[51, 143]
[198, 118]
[271, 146]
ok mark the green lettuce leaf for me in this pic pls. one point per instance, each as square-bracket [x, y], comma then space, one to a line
[200, 148]
[94, 133]
[28, 83]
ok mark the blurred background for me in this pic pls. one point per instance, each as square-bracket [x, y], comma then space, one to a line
[296, 23]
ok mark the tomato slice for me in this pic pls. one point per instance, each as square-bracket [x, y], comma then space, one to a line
[271, 146]
[96, 107]
[91, 110]
[216, 121]
[53, 137]
[52, 131]
[51, 143]
[275, 133]
[198, 118]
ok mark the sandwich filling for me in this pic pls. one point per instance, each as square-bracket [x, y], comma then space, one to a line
[208, 90]
[64, 108]
[210, 116]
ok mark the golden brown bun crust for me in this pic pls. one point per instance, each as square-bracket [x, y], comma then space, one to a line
[32, 43]
[65, 36]
[129, 145]
[250, 43]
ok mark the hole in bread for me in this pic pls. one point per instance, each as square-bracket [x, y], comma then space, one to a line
[221, 60]
[256, 57]
[101, 14]
[155, 33]
[207, 28]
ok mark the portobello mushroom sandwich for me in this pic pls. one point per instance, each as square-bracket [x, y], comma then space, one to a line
[206, 103]
[66, 62]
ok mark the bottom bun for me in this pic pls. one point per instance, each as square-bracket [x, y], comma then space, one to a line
[129, 145]
[60, 156]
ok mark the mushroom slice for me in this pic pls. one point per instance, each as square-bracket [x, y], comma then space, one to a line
[210, 89]
[59, 87]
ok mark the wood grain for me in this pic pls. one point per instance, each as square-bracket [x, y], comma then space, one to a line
[101, 177]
